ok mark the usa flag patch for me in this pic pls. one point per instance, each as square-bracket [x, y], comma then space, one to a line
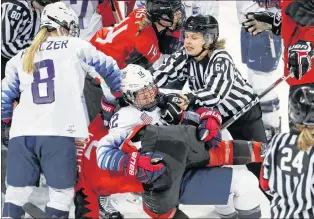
[147, 119]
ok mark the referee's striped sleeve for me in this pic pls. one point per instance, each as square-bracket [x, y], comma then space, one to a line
[218, 82]
[16, 28]
[169, 70]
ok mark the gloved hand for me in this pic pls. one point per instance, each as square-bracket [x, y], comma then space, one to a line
[107, 110]
[173, 114]
[164, 99]
[260, 21]
[300, 58]
[146, 167]
[209, 127]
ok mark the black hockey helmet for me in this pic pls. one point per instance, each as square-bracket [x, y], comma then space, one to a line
[157, 8]
[301, 106]
[45, 2]
[207, 25]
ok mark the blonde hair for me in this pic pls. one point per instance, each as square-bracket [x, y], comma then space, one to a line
[220, 44]
[305, 139]
[145, 22]
[28, 60]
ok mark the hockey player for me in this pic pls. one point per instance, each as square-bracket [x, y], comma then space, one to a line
[135, 39]
[289, 162]
[261, 55]
[297, 32]
[90, 21]
[50, 114]
[140, 38]
[213, 79]
[140, 93]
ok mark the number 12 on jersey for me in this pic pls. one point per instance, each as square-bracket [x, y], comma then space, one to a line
[43, 87]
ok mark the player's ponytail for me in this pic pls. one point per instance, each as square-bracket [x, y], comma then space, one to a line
[143, 24]
[306, 138]
[28, 62]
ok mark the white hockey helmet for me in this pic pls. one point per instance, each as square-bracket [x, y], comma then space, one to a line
[138, 87]
[58, 15]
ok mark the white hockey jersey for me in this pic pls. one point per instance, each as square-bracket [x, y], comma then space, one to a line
[122, 124]
[50, 100]
[193, 8]
[89, 20]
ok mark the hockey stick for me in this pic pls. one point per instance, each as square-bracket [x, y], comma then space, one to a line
[34, 211]
[255, 101]
[272, 44]
[114, 11]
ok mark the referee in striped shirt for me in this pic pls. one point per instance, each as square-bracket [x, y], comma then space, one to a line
[213, 79]
[288, 168]
[20, 20]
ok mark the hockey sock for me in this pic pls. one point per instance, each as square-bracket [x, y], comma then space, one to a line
[12, 211]
[53, 212]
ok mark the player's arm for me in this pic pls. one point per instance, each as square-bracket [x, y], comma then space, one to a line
[136, 164]
[14, 22]
[217, 84]
[170, 69]
[10, 88]
[94, 60]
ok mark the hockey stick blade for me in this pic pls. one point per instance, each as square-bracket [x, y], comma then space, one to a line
[34, 211]
[255, 101]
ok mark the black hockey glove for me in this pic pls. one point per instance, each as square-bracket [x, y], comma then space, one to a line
[258, 22]
[300, 58]
[172, 114]
[164, 99]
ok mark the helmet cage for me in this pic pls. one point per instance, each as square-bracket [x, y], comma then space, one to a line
[72, 27]
[155, 12]
[139, 98]
[301, 106]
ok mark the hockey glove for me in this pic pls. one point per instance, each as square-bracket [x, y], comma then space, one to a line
[172, 114]
[300, 58]
[209, 127]
[260, 21]
[169, 98]
[145, 167]
[107, 110]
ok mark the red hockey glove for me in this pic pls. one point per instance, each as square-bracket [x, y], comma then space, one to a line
[300, 58]
[145, 167]
[209, 127]
[107, 110]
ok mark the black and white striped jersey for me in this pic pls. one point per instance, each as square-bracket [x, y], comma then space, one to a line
[20, 22]
[214, 81]
[290, 175]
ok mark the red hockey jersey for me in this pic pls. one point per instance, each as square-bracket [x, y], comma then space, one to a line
[291, 33]
[121, 41]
